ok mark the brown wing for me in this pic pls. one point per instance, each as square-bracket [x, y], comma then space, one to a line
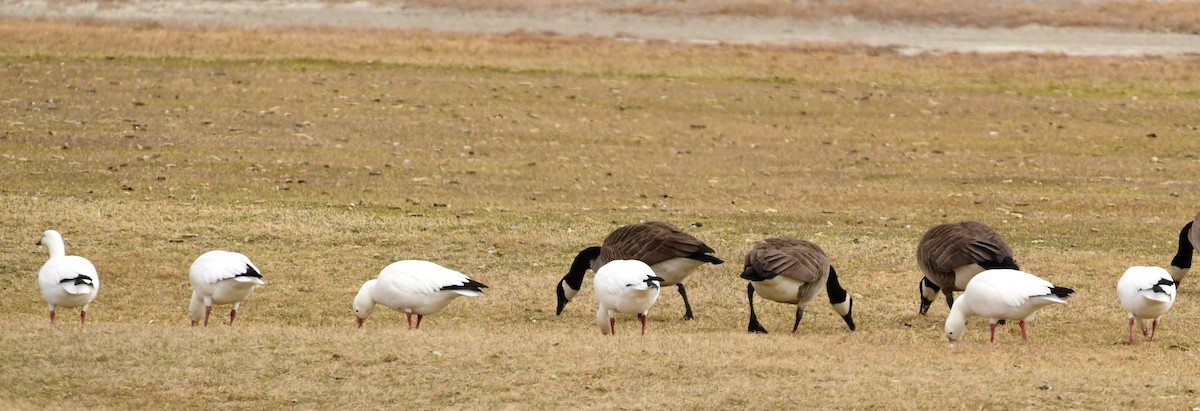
[797, 259]
[651, 242]
[952, 245]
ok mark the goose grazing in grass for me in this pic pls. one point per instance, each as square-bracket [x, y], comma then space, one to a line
[670, 252]
[951, 254]
[414, 287]
[66, 281]
[1189, 236]
[1146, 293]
[792, 272]
[1002, 294]
[221, 277]
[624, 287]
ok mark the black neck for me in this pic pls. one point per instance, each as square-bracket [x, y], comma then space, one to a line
[837, 294]
[1183, 257]
[579, 267]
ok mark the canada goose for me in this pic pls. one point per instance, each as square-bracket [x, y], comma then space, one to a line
[1146, 293]
[951, 254]
[414, 287]
[1189, 236]
[670, 252]
[1002, 294]
[221, 277]
[624, 287]
[792, 272]
[66, 281]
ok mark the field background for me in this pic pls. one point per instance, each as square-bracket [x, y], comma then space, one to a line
[325, 154]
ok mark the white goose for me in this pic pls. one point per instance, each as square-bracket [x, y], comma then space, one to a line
[66, 281]
[1002, 294]
[1146, 293]
[221, 277]
[624, 287]
[414, 287]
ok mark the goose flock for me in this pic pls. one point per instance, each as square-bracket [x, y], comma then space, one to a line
[635, 261]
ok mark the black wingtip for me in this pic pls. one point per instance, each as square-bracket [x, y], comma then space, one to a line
[711, 259]
[470, 285]
[1005, 263]
[653, 281]
[752, 274]
[250, 272]
[1061, 292]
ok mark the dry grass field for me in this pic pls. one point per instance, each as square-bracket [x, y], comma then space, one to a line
[325, 154]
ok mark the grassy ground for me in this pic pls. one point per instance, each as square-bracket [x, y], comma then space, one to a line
[326, 154]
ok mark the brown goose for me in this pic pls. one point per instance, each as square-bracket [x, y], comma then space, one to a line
[951, 254]
[792, 272]
[1189, 236]
[670, 252]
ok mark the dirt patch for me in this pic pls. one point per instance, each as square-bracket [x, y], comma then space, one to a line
[694, 29]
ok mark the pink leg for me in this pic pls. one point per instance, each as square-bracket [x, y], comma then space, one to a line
[1153, 329]
[82, 317]
[993, 327]
[643, 318]
[207, 311]
[419, 317]
[232, 315]
[51, 316]
[1024, 336]
[612, 325]
[409, 315]
[1130, 342]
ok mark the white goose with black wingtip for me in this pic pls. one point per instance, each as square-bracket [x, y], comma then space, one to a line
[1146, 293]
[793, 271]
[221, 277]
[951, 254]
[1189, 237]
[413, 287]
[66, 281]
[670, 252]
[1002, 295]
[624, 287]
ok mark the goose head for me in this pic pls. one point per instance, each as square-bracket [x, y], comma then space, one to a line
[363, 303]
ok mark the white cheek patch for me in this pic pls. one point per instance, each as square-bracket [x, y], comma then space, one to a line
[1177, 273]
[843, 307]
[568, 291]
[927, 292]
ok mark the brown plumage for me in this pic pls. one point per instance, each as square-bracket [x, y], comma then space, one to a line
[950, 254]
[792, 271]
[651, 242]
[670, 252]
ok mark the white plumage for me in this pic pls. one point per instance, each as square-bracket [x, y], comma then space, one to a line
[221, 277]
[66, 281]
[624, 287]
[1146, 293]
[414, 287]
[1002, 294]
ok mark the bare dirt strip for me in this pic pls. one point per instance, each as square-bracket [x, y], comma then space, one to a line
[910, 39]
